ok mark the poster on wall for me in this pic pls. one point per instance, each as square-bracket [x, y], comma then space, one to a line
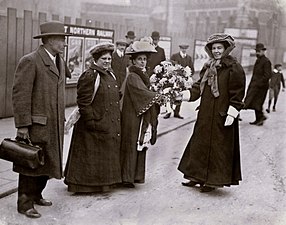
[89, 44]
[74, 58]
[200, 56]
[81, 41]
[165, 43]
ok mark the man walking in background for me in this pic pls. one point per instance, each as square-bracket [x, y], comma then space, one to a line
[120, 61]
[183, 59]
[157, 57]
[258, 86]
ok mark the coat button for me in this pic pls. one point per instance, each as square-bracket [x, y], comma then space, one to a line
[108, 86]
[118, 135]
[117, 103]
[116, 85]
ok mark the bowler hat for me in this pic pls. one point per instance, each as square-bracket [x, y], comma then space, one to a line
[259, 47]
[121, 42]
[155, 35]
[130, 34]
[184, 46]
[54, 28]
[100, 47]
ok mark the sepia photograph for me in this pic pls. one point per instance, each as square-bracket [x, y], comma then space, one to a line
[142, 112]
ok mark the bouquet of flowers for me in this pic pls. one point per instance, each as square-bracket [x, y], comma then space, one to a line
[169, 80]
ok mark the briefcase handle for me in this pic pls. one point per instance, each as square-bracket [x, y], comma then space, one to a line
[24, 140]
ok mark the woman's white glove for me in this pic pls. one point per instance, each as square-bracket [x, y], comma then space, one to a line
[229, 120]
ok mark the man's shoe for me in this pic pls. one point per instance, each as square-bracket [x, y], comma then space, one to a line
[167, 116]
[273, 110]
[267, 110]
[178, 116]
[259, 123]
[263, 118]
[31, 213]
[43, 202]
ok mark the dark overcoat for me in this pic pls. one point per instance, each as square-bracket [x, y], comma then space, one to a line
[213, 154]
[94, 155]
[138, 102]
[259, 84]
[39, 103]
[155, 59]
[187, 61]
[119, 66]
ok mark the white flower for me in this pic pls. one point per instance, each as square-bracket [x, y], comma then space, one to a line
[158, 69]
[187, 71]
[153, 78]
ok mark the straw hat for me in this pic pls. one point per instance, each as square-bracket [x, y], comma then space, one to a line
[140, 47]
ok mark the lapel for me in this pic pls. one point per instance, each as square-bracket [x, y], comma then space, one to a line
[47, 60]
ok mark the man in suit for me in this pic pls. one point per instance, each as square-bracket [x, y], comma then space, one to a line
[157, 57]
[259, 84]
[39, 113]
[130, 37]
[183, 59]
[120, 61]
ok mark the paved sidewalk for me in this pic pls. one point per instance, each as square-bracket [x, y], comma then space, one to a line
[9, 179]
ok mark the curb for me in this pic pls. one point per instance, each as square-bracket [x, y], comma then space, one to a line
[12, 190]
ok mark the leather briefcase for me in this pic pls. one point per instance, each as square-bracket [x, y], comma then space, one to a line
[23, 154]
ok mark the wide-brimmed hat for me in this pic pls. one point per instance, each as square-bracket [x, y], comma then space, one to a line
[260, 46]
[53, 28]
[130, 34]
[220, 38]
[140, 47]
[100, 47]
[155, 35]
[183, 46]
[121, 42]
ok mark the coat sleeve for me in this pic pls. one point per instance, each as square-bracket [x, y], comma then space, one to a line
[236, 86]
[282, 80]
[195, 90]
[85, 88]
[142, 98]
[22, 91]
[267, 71]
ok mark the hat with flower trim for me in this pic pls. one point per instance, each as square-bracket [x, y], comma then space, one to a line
[140, 47]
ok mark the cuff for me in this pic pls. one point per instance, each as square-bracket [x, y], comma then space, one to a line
[232, 111]
[186, 95]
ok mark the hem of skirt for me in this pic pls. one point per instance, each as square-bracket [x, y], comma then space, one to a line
[77, 188]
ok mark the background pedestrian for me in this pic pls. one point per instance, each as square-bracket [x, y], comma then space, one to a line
[258, 86]
[275, 85]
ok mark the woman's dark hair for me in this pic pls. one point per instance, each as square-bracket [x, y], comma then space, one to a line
[96, 56]
[224, 43]
[135, 55]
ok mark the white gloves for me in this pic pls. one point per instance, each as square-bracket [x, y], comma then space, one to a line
[231, 114]
[228, 121]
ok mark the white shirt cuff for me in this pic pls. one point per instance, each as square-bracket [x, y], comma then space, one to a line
[232, 111]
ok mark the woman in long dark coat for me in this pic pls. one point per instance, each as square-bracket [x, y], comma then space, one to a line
[212, 156]
[93, 163]
[139, 113]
